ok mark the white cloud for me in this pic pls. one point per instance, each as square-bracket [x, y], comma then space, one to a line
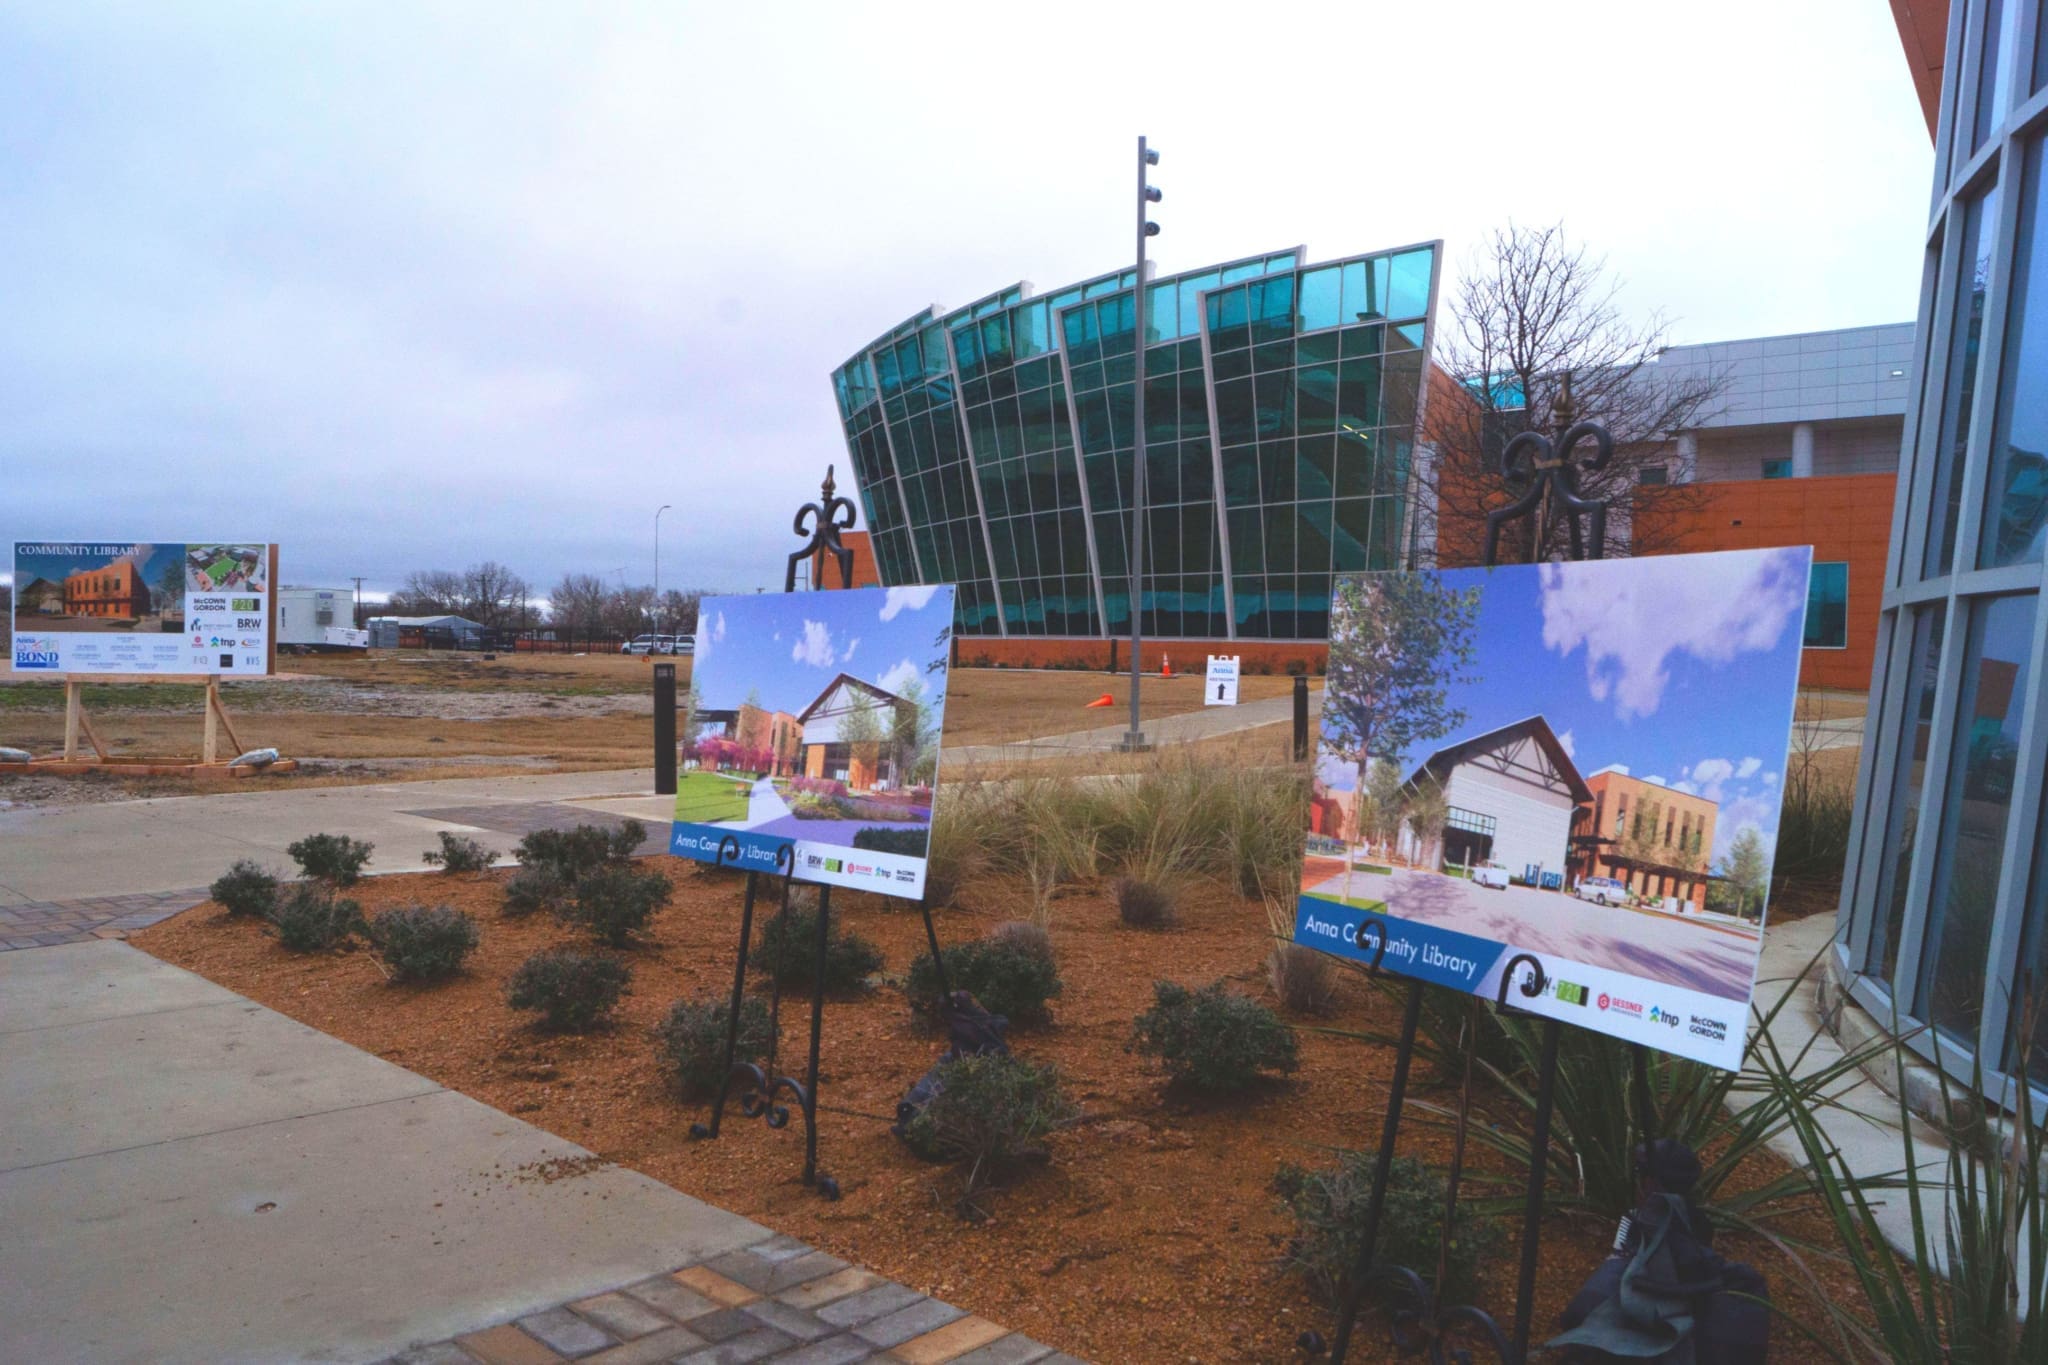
[905, 599]
[1688, 788]
[899, 677]
[778, 635]
[815, 647]
[1633, 615]
[1770, 779]
[710, 631]
[1657, 781]
[1748, 768]
[718, 628]
[851, 645]
[1568, 744]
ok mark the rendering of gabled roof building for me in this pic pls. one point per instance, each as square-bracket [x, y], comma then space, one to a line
[827, 752]
[1512, 792]
[992, 445]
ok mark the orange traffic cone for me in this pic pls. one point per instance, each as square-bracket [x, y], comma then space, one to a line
[1103, 700]
[1165, 666]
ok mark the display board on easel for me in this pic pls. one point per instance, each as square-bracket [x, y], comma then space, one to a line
[191, 612]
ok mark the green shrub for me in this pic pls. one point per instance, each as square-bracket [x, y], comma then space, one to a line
[534, 888]
[570, 853]
[423, 943]
[309, 919]
[1211, 1038]
[572, 991]
[788, 952]
[910, 843]
[1329, 1208]
[991, 1111]
[1142, 904]
[332, 858]
[614, 903]
[689, 1045]
[459, 854]
[1008, 973]
[245, 889]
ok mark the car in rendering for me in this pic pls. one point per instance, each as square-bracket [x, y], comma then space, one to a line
[1490, 874]
[1601, 891]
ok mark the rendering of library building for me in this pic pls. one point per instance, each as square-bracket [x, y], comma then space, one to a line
[1289, 406]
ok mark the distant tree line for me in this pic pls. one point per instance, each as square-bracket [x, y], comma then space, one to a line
[493, 595]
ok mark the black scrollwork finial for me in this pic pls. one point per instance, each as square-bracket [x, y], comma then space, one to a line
[1552, 474]
[828, 516]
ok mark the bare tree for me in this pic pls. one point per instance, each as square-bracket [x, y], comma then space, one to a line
[1532, 313]
[577, 603]
[676, 612]
[428, 592]
[628, 611]
[492, 594]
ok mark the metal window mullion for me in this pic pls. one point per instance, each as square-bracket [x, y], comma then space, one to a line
[924, 575]
[2008, 916]
[1216, 458]
[1963, 122]
[1914, 505]
[1410, 497]
[1955, 641]
[1059, 328]
[1975, 471]
[1857, 911]
[959, 405]
[1947, 103]
[1910, 433]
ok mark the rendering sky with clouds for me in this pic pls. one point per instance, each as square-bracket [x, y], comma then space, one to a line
[1680, 669]
[787, 648]
[408, 286]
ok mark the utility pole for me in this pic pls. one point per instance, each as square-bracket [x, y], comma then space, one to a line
[357, 622]
[1134, 741]
[657, 564]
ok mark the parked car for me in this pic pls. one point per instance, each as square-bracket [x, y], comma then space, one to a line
[649, 644]
[1490, 874]
[1601, 891]
[686, 644]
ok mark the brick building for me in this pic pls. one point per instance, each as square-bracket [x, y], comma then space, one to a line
[114, 590]
[1656, 840]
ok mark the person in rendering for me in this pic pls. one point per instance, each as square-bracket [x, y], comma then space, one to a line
[1663, 1294]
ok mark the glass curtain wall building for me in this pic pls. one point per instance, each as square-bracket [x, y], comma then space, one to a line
[1945, 904]
[993, 446]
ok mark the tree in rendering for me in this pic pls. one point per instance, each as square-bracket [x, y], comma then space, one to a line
[1747, 867]
[1530, 311]
[1398, 642]
[860, 730]
[1429, 810]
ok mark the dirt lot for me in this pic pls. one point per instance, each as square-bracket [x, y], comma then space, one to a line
[1153, 1234]
[392, 716]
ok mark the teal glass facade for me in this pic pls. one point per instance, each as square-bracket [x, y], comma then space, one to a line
[993, 445]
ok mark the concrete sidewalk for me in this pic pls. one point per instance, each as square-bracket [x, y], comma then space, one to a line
[1162, 731]
[186, 1175]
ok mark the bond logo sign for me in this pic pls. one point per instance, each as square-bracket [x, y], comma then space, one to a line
[142, 607]
[1219, 685]
[1576, 762]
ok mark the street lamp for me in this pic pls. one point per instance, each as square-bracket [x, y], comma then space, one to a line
[657, 562]
[1134, 741]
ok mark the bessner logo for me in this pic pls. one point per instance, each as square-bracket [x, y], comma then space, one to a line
[1621, 1006]
[1603, 1000]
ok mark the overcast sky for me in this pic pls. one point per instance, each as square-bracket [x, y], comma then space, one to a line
[413, 285]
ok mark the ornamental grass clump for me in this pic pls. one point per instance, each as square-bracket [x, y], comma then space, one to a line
[459, 854]
[991, 1112]
[332, 858]
[1212, 1039]
[1012, 972]
[689, 1044]
[788, 951]
[1303, 980]
[423, 943]
[1329, 1207]
[615, 903]
[572, 991]
[1143, 904]
[245, 890]
[310, 919]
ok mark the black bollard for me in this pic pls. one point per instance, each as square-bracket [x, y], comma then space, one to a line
[1300, 719]
[664, 729]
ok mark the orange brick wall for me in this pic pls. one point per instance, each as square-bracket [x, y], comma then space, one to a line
[825, 568]
[1188, 656]
[1845, 517]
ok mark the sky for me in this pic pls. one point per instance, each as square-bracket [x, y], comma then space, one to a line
[1681, 671]
[787, 647]
[410, 286]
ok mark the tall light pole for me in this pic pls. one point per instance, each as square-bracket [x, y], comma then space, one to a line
[657, 563]
[1134, 741]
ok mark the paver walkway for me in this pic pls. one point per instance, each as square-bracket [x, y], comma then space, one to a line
[186, 1175]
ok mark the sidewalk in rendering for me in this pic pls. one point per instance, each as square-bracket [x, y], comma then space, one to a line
[186, 1175]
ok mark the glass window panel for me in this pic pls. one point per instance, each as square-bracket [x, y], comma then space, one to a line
[1354, 465]
[1322, 299]
[995, 337]
[1275, 302]
[1197, 472]
[1995, 685]
[1194, 406]
[1032, 333]
[1232, 364]
[1247, 270]
[1316, 465]
[1316, 399]
[1190, 299]
[1162, 313]
[1352, 530]
[1318, 349]
[1314, 547]
[1827, 607]
[1236, 415]
[2041, 82]
[1162, 409]
[1363, 341]
[1276, 471]
[1358, 394]
[1778, 469]
[1980, 220]
[1035, 415]
[1909, 776]
[1280, 538]
[1408, 290]
[1992, 80]
[1363, 299]
[2016, 510]
[1274, 355]
[1382, 549]
[1247, 542]
[1240, 476]
[1274, 395]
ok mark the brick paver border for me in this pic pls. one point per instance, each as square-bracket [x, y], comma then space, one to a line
[44, 924]
[778, 1301]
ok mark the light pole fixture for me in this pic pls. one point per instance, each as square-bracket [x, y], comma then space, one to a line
[657, 561]
[1134, 740]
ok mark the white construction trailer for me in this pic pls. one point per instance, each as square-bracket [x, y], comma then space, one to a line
[317, 621]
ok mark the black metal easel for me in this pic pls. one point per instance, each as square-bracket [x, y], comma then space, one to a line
[1416, 1324]
[827, 517]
